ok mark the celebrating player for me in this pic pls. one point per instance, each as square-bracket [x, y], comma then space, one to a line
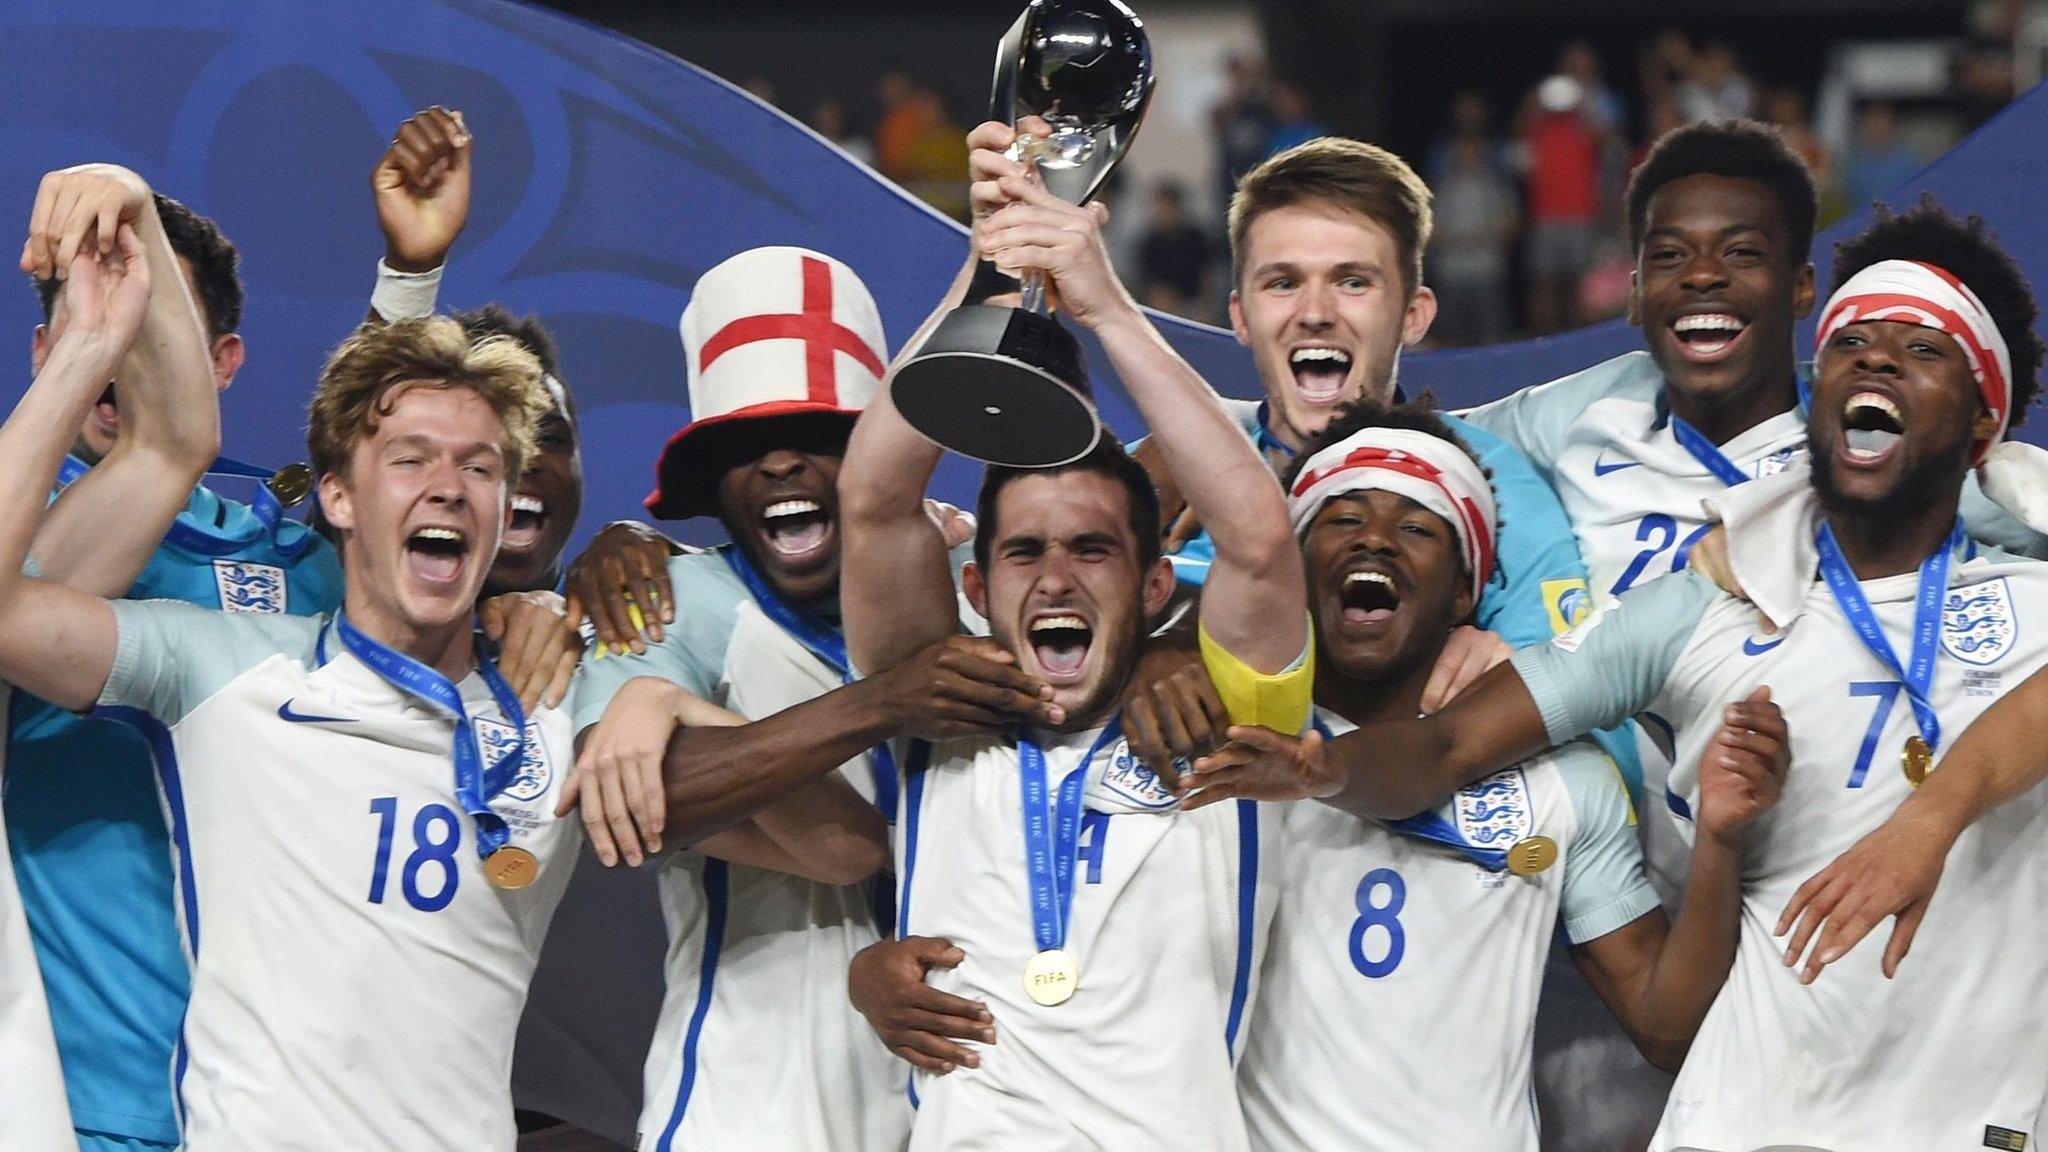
[92, 850]
[1114, 938]
[296, 754]
[1326, 244]
[1376, 917]
[1926, 355]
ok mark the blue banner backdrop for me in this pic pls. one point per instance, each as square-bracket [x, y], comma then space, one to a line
[609, 176]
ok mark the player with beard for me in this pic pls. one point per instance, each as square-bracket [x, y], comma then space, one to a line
[1925, 356]
[1114, 938]
[783, 820]
[1396, 527]
[1721, 215]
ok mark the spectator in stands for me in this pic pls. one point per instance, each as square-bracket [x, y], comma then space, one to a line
[1294, 122]
[1578, 61]
[1173, 255]
[828, 119]
[1561, 147]
[1879, 161]
[1716, 89]
[1470, 119]
[1242, 122]
[1476, 217]
[1786, 108]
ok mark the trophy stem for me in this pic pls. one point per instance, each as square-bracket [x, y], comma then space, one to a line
[1034, 293]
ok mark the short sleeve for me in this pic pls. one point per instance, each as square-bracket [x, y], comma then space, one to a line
[1605, 885]
[691, 652]
[1539, 590]
[170, 656]
[1279, 701]
[1614, 664]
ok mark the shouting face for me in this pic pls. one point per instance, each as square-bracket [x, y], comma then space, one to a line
[1063, 588]
[1895, 415]
[545, 505]
[421, 508]
[782, 509]
[1323, 303]
[1386, 582]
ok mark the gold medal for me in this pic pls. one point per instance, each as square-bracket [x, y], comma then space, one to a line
[511, 868]
[1531, 856]
[291, 485]
[1051, 977]
[1916, 760]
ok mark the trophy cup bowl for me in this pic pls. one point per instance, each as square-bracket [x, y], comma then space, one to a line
[1008, 385]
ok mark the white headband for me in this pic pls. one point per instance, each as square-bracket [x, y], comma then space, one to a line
[1429, 470]
[1914, 292]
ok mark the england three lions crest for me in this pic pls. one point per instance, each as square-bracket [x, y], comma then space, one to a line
[497, 739]
[1978, 624]
[246, 587]
[1496, 811]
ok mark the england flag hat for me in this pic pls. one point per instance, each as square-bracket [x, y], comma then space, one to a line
[778, 341]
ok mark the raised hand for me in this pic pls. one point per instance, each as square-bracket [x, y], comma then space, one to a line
[1037, 231]
[422, 189]
[107, 296]
[1260, 764]
[1742, 770]
[79, 209]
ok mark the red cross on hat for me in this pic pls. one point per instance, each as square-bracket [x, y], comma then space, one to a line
[771, 333]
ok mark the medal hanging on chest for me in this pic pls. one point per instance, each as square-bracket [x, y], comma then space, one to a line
[1052, 833]
[507, 866]
[1916, 758]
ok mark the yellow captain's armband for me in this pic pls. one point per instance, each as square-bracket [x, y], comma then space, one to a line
[1279, 701]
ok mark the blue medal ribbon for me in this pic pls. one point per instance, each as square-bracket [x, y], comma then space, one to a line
[828, 644]
[1709, 454]
[1918, 676]
[1695, 443]
[475, 783]
[1432, 826]
[1052, 835]
[1263, 439]
[190, 538]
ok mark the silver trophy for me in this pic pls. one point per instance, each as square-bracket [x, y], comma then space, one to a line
[1007, 385]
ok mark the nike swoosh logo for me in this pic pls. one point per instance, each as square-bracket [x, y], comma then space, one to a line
[284, 712]
[1600, 468]
[1751, 648]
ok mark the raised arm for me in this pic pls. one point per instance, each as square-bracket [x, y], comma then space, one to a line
[1254, 603]
[102, 530]
[58, 642]
[895, 584]
[422, 190]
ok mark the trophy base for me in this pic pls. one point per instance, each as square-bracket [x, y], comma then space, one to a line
[1000, 385]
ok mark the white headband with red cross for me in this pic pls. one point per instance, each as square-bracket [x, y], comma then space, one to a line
[1429, 470]
[1915, 292]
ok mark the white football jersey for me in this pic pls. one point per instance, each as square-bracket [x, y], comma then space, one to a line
[32, 1090]
[757, 1045]
[1168, 924]
[1952, 1049]
[356, 981]
[1400, 964]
